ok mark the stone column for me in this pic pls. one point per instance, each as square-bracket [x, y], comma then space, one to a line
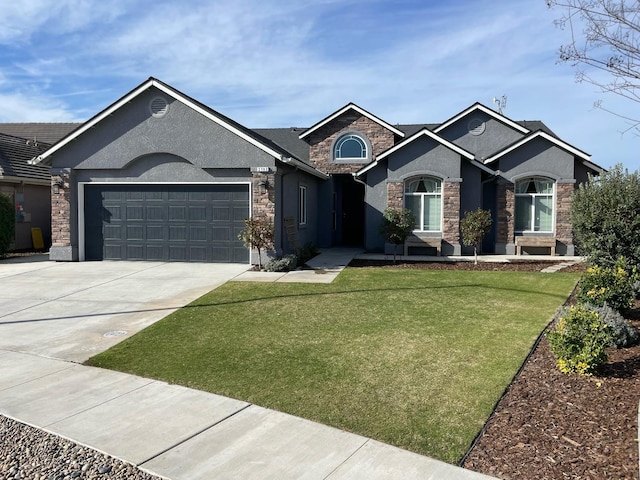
[62, 248]
[505, 241]
[395, 195]
[451, 217]
[264, 190]
[564, 230]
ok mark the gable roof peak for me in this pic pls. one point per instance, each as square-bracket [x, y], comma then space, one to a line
[346, 108]
[489, 111]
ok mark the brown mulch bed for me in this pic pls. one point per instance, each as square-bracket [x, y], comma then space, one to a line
[550, 425]
[517, 266]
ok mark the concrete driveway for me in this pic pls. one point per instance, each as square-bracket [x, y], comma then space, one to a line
[72, 311]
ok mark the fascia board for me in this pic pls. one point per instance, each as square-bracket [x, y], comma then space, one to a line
[361, 111]
[556, 141]
[133, 94]
[304, 167]
[488, 111]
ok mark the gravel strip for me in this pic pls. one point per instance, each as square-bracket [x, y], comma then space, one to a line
[30, 453]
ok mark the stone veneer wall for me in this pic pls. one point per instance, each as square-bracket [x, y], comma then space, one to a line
[395, 195]
[451, 212]
[264, 201]
[321, 141]
[60, 211]
[506, 212]
[564, 231]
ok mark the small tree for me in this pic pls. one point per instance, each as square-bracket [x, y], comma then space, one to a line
[605, 214]
[258, 233]
[396, 226]
[7, 223]
[474, 226]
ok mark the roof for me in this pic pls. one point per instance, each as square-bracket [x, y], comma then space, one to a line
[40, 132]
[15, 154]
[346, 108]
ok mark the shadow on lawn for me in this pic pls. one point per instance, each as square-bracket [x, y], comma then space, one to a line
[277, 297]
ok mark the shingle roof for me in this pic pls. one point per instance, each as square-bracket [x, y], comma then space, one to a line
[42, 132]
[15, 154]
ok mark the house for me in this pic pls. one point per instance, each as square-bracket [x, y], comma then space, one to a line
[158, 175]
[28, 187]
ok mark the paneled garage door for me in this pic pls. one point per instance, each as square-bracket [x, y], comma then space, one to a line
[182, 223]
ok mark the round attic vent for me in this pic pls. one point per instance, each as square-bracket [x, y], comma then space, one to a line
[159, 106]
[476, 126]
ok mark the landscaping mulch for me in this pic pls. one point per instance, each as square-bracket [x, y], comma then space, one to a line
[513, 266]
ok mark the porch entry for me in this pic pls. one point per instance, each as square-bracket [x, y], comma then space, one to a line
[348, 211]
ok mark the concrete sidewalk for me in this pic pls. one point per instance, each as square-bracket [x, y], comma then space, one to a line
[180, 433]
[55, 314]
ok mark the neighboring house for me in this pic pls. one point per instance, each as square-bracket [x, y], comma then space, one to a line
[29, 188]
[158, 175]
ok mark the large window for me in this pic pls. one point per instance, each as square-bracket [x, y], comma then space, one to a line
[534, 205]
[350, 147]
[423, 196]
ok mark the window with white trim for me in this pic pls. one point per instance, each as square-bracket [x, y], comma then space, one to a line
[350, 147]
[534, 205]
[302, 205]
[423, 196]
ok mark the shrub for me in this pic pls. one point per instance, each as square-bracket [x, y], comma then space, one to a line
[605, 215]
[7, 223]
[579, 340]
[396, 226]
[306, 252]
[474, 226]
[284, 264]
[611, 286]
[258, 233]
[622, 333]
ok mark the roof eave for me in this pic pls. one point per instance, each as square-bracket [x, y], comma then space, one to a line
[488, 111]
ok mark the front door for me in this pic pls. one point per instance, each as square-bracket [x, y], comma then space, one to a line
[352, 214]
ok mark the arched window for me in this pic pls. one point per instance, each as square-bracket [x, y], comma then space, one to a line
[534, 205]
[350, 147]
[423, 196]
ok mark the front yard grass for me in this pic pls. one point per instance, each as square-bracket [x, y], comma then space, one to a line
[413, 358]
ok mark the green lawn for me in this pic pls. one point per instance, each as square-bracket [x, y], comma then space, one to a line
[413, 358]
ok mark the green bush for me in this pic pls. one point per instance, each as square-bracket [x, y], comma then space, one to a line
[7, 223]
[605, 215]
[622, 333]
[611, 286]
[284, 264]
[579, 340]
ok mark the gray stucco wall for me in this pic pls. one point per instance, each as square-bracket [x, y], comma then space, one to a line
[132, 132]
[495, 137]
[289, 206]
[538, 157]
[424, 156]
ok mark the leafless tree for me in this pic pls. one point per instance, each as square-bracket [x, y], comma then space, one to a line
[605, 37]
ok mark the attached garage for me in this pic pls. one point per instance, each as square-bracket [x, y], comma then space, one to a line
[165, 222]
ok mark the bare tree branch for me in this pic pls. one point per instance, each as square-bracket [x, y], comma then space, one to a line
[605, 37]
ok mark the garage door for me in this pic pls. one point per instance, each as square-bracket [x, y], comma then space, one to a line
[182, 223]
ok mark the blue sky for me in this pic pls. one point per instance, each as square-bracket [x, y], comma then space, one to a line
[282, 63]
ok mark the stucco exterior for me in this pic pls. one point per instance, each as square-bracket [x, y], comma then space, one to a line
[477, 157]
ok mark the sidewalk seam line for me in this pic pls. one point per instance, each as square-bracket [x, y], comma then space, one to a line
[367, 440]
[195, 434]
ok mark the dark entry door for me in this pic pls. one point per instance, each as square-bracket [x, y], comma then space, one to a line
[352, 213]
[185, 223]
